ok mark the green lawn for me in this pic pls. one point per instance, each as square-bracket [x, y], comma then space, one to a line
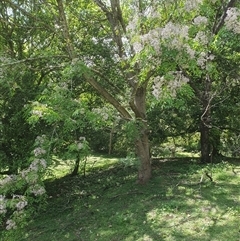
[107, 205]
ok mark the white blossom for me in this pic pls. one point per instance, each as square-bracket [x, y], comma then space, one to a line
[37, 190]
[7, 180]
[178, 79]
[80, 145]
[211, 57]
[232, 20]
[82, 138]
[102, 113]
[10, 224]
[21, 205]
[157, 86]
[202, 38]
[191, 52]
[202, 59]
[43, 163]
[39, 151]
[191, 5]
[38, 113]
[40, 139]
[175, 35]
[3, 207]
[132, 25]
[138, 47]
[24, 173]
[200, 20]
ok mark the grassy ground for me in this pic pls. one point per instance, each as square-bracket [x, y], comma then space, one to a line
[107, 205]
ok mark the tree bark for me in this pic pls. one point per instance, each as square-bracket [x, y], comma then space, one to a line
[142, 141]
[143, 154]
[205, 143]
[205, 122]
[76, 166]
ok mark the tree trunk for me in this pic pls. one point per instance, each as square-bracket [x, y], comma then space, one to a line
[215, 137]
[142, 140]
[205, 143]
[143, 154]
[76, 166]
[205, 123]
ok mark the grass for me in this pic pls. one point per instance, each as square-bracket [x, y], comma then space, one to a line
[107, 205]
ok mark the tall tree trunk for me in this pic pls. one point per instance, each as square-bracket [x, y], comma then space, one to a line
[205, 123]
[143, 154]
[142, 141]
[205, 143]
[215, 136]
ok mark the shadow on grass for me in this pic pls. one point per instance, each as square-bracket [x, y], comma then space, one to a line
[107, 205]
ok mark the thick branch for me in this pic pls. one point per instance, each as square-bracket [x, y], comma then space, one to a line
[115, 20]
[125, 114]
[65, 30]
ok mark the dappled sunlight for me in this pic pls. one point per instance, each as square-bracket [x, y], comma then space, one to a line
[106, 204]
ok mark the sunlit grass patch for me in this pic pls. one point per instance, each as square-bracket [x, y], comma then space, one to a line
[60, 168]
[107, 204]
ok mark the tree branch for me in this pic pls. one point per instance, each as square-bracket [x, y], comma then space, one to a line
[218, 26]
[125, 114]
[116, 22]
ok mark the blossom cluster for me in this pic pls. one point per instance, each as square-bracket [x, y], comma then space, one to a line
[201, 38]
[232, 20]
[191, 5]
[38, 113]
[39, 151]
[40, 140]
[11, 224]
[3, 206]
[37, 189]
[177, 80]
[80, 143]
[101, 112]
[158, 83]
[200, 20]
[29, 176]
[203, 58]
